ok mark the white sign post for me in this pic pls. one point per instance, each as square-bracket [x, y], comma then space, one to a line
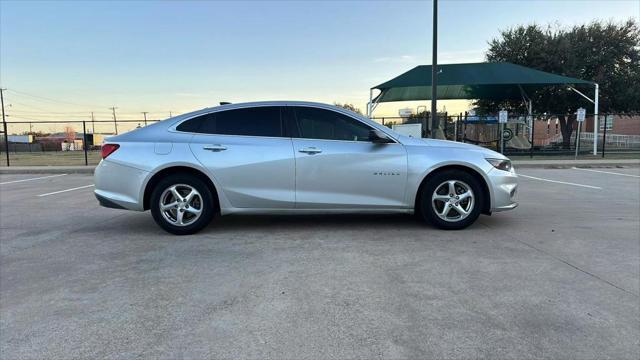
[503, 116]
[580, 116]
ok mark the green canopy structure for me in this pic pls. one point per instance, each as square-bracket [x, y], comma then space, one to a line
[486, 81]
[491, 81]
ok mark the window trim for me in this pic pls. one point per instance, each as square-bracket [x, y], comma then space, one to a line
[283, 105]
[295, 119]
[283, 129]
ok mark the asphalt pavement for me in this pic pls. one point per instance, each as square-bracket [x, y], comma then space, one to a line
[559, 277]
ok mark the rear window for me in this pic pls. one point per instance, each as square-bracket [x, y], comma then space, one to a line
[193, 125]
[257, 121]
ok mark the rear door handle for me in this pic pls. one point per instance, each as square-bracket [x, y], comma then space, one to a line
[310, 150]
[216, 147]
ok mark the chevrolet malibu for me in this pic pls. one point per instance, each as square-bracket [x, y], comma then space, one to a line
[296, 158]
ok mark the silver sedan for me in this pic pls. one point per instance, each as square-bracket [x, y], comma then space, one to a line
[296, 158]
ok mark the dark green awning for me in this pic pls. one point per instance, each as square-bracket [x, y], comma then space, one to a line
[492, 81]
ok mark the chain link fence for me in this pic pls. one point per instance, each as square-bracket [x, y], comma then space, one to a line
[79, 142]
[532, 135]
[60, 142]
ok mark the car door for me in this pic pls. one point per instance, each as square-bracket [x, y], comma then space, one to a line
[246, 152]
[338, 167]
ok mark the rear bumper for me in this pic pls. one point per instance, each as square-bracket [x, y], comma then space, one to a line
[108, 203]
[504, 188]
[119, 186]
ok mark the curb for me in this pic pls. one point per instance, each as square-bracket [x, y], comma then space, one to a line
[47, 170]
[567, 164]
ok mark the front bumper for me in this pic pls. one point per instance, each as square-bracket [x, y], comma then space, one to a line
[504, 188]
[119, 186]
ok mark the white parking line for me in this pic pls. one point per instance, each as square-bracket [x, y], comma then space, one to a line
[606, 172]
[31, 179]
[62, 191]
[560, 182]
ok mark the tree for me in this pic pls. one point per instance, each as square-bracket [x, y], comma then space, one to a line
[605, 52]
[348, 107]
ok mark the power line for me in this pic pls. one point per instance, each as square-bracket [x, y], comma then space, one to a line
[35, 108]
[50, 99]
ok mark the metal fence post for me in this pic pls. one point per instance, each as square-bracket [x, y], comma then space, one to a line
[578, 138]
[4, 125]
[604, 134]
[84, 142]
[464, 129]
[533, 127]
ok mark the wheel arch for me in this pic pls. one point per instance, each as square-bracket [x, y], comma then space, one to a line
[179, 169]
[486, 205]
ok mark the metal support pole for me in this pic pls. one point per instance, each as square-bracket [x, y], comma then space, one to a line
[464, 129]
[533, 126]
[595, 122]
[455, 129]
[115, 121]
[84, 142]
[434, 70]
[501, 138]
[578, 138]
[370, 103]
[530, 120]
[4, 126]
[604, 135]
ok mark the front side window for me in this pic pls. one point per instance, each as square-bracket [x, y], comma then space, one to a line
[256, 121]
[314, 123]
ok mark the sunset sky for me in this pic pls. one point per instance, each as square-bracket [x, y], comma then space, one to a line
[65, 59]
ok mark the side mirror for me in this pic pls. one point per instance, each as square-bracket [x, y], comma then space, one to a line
[378, 137]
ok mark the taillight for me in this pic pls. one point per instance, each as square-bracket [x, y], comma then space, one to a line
[108, 149]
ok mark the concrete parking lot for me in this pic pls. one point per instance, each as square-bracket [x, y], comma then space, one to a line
[559, 277]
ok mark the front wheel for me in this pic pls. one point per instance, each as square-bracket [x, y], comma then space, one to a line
[182, 204]
[451, 200]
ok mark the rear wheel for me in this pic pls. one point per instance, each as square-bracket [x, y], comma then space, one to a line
[182, 204]
[451, 200]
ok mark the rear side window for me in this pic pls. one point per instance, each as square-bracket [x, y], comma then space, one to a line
[193, 125]
[257, 121]
[314, 123]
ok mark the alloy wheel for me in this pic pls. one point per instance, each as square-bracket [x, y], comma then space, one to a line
[453, 200]
[181, 204]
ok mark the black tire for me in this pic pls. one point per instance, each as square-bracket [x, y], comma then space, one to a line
[208, 205]
[429, 215]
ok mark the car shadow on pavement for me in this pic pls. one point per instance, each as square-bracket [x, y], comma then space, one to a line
[142, 224]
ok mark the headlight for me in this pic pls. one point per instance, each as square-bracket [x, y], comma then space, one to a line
[500, 164]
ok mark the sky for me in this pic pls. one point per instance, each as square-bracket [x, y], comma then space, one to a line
[62, 60]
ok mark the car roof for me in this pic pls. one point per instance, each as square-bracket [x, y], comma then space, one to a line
[268, 103]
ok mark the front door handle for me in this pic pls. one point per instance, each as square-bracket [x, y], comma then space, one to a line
[310, 150]
[216, 147]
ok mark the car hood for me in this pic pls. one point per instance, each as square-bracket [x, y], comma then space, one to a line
[453, 145]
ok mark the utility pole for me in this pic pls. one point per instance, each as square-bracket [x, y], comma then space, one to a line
[115, 120]
[434, 70]
[170, 115]
[93, 124]
[145, 117]
[4, 126]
